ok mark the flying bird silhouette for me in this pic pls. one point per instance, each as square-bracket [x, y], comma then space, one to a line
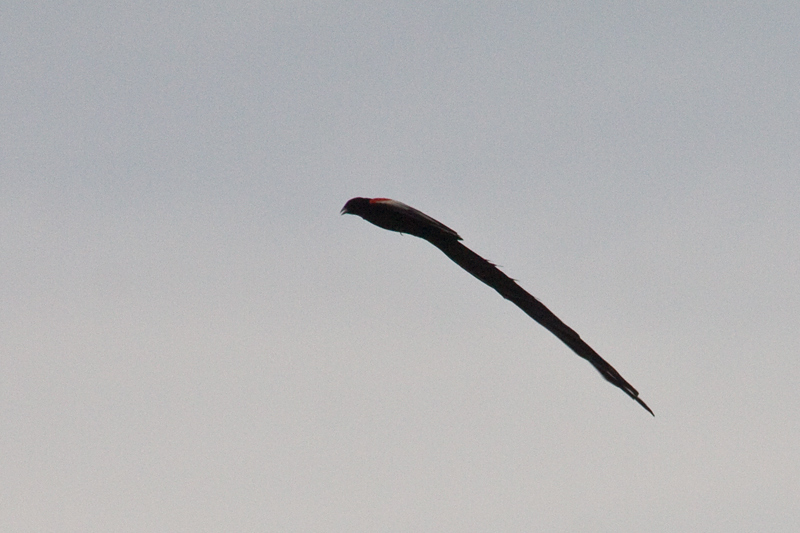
[397, 216]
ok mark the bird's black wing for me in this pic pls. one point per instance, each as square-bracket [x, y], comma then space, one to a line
[492, 276]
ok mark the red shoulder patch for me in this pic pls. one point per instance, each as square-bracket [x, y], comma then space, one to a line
[378, 200]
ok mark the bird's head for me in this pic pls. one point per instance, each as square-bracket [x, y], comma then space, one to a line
[356, 206]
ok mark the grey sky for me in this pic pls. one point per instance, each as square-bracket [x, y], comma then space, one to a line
[193, 339]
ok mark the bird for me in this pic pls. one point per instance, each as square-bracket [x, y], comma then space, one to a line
[397, 216]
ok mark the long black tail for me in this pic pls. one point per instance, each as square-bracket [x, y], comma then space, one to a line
[492, 276]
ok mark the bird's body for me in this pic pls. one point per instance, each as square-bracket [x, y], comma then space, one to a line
[397, 216]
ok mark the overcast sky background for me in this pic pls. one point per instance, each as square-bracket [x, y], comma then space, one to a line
[193, 339]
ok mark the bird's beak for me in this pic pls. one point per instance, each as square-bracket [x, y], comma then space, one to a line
[344, 211]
